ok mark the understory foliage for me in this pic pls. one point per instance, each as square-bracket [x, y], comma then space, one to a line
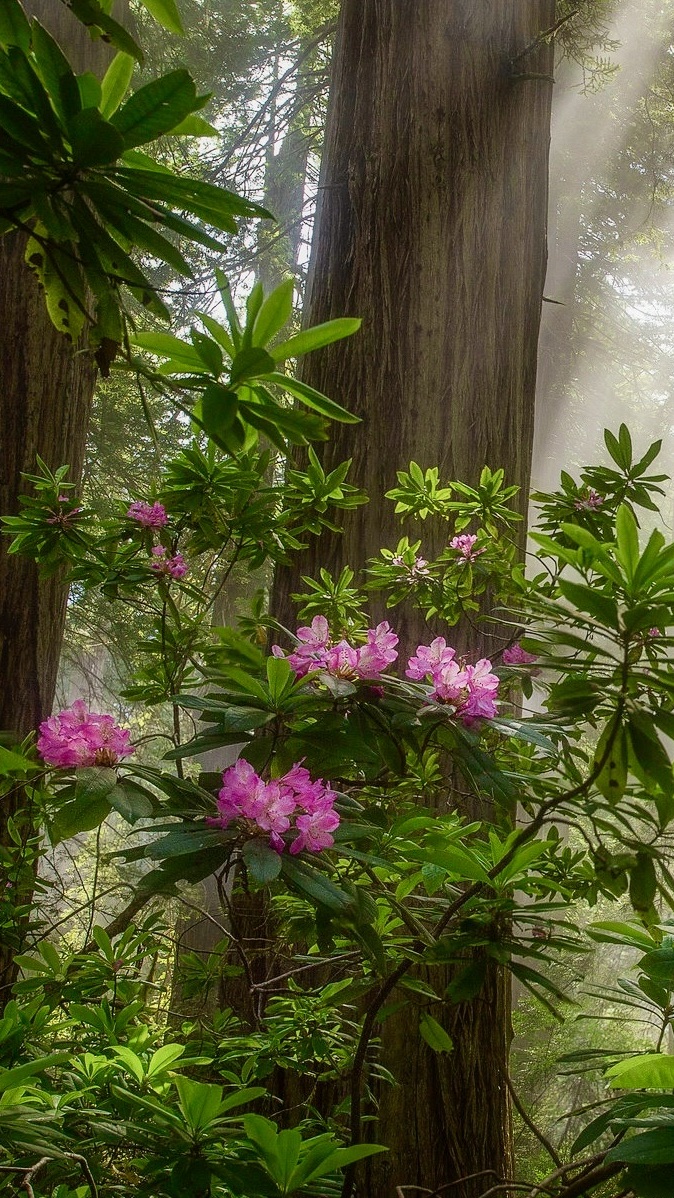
[338, 815]
[340, 821]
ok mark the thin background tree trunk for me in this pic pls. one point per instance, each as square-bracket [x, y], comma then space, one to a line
[432, 228]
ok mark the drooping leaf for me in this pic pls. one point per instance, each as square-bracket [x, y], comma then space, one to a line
[115, 83]
[262, 862]
[611, 756]
[166, 13]
[434, 1034]
[14, 26]
[95, 142]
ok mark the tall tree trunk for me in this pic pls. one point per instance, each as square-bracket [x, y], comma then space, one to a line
[431, 226]
[46, 386]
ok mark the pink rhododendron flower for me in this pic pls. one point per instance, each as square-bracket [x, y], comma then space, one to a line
[270, 806]
[315, 831]
[148, 515]
[365, 662]
[342, 660]
[589, 501]
[378, 652]
[311, 650]
[464, 546]
[429, 658]
[175, 566]
[517, 656]
[470, 689]
[482, 688]
[79, 737]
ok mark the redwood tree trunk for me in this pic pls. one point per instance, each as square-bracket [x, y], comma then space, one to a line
[45, 396]
[432, 228]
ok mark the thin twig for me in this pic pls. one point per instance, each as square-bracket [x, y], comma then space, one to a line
[86, 1171]
[526, 1118]
[400, 1190]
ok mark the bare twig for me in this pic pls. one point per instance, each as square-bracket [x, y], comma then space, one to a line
[400, 1190]
[526, 1118]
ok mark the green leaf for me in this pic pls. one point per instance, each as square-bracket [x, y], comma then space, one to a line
[627, 541]
[95, 142]
[280, 677]
[313, 399]
[79, 815]
[586, 599]
[649, 1181]
[615, 449]
[434, 1034]
[250, 363]
[199, 1101]
[89, 88]
[652, 1071]
[467, 983]
[131, 1061]
[166, 13]
[12, 1078]
[165, 345]
[138, 233]
[214, 205]
[115, 83]
[27, 87]
[323, 1159]
[315, 886]
[316, 338]
[14, 26]
[24, 129]
[274, 314]
[164, 1057]
[209, 351]
[55, 72]
[218, 413]
[455, 860]
[92, 13]
[262, 862]
[131, 803]
[654, 1147]
[13, 763]
[643, 883]
[218, 333]
[156, 108]
[194, 126]
[616, 932]
[651, 755]
[612, 778]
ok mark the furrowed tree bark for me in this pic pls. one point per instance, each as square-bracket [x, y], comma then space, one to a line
[46, 386]
[432, 228]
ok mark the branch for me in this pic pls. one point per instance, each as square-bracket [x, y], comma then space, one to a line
[526, 1118]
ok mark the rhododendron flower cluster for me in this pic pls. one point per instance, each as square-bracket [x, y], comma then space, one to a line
[417, 569]
[590, 501]
[291, 803]
[315, 651]
[517, 656]
[464, 546]
[175, 566]
[471, 689]
[66, 514]
[149, 515]
[79, 737]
